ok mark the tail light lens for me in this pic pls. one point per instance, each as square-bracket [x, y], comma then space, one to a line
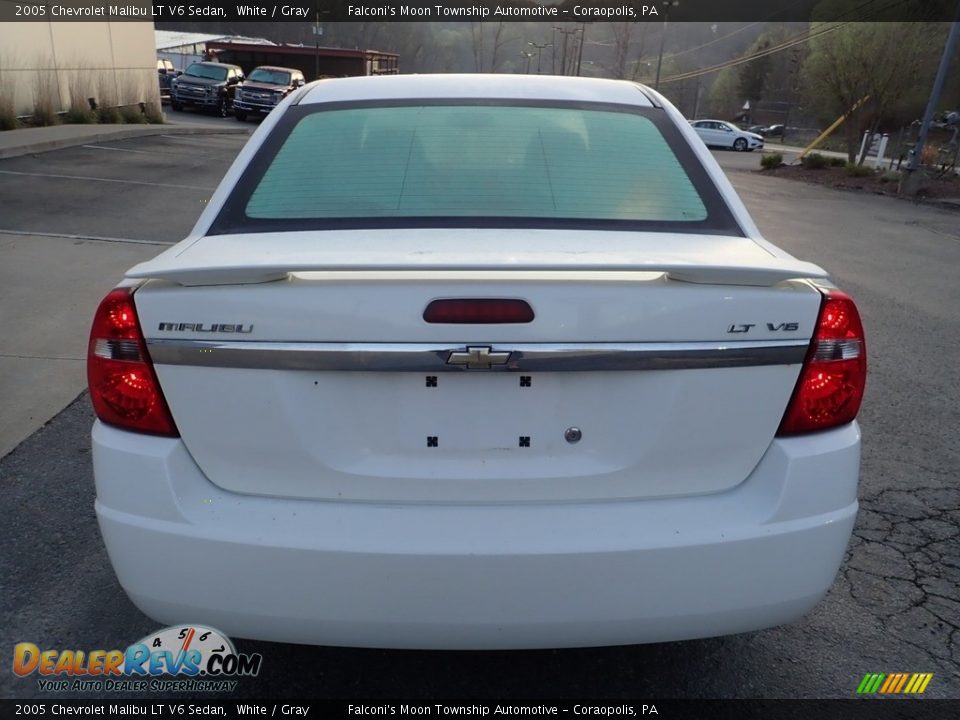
[834, 373]
[123, 386]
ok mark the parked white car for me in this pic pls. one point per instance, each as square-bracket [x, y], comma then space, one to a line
[720, 133]
[476, 361]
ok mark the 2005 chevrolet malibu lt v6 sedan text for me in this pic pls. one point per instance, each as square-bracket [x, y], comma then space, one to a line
[476, 362]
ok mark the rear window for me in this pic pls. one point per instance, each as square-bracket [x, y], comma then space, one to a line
[474, 162]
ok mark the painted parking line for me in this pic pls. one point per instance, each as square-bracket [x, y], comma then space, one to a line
[106, 180]
[97, 238]
[193, 153]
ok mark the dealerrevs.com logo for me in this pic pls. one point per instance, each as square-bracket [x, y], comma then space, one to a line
[189, 658]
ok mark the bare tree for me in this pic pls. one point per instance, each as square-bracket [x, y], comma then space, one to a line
[622, 36]
[873, 60]
[476, 35]
[498, 42]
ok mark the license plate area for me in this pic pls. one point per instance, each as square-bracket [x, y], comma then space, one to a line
[474, 415]
[480, 411]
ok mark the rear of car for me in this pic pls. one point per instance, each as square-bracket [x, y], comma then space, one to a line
[476, 362]
[774, 131]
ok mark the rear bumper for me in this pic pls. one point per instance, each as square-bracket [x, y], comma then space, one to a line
[480, 576]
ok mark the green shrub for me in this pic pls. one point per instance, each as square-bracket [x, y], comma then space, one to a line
[814, 161]
[890, 177]
[44, 115]
[154, 114]
[46, 99]
[8, 116]
[771, 161]
[109, 115]
[79, 116]
[838, 162]
[131, 114]
[8, 83]
[854, 170]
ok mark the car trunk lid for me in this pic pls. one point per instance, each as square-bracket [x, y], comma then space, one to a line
[303, 367]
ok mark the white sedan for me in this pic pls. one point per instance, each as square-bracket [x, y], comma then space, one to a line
[476, 362]
[720, 133]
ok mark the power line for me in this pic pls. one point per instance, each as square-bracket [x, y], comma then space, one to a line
[753, 24]
[798, 40]
[787, 44]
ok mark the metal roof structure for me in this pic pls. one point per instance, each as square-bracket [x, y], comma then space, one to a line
[172, 39]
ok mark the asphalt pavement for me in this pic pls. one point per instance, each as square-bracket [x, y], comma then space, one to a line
[75, 218]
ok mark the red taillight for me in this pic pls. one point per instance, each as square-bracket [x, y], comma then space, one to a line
[830, 388]
[123, 386]
[478, 311]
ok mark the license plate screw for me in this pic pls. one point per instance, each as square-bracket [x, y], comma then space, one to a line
[433, 441]
[431, 381]
[526, 381]
[572, 435]
[524, 441]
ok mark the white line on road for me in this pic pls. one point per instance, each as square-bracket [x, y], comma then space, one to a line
[107, 180]
[193, 139]
[146, 152]
[96, 238]
[129, 150]
[39, 357]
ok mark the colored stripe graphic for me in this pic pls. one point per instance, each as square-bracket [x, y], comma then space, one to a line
[918, 683]
[870, 683]
[894, 683]
[903, 681]
[890, 682]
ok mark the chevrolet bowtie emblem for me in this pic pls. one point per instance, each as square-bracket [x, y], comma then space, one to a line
[478, 358]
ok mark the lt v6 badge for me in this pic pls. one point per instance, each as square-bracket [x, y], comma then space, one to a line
[772, 327]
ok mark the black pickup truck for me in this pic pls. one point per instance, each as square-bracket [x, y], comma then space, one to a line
[209, 85]
[264, 88]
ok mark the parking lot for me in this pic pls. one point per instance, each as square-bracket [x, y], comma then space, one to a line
[74, 219]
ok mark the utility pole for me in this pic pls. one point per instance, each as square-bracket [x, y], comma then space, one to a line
[934, 101]
[663, 37]
[526, 56]
[316, 45]
[553, 52]
[696, 98]
[583, 35]
[540, 49]
[564, 65]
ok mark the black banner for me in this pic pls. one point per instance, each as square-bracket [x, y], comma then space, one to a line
[579, 11]
[169, 709]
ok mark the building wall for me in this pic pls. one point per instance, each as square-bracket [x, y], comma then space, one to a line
[68, 62]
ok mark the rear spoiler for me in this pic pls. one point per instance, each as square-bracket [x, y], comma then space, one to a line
[249, 259]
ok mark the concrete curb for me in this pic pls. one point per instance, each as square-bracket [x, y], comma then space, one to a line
[100, 134]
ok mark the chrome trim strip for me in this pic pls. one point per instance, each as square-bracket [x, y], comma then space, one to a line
[426, 357]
